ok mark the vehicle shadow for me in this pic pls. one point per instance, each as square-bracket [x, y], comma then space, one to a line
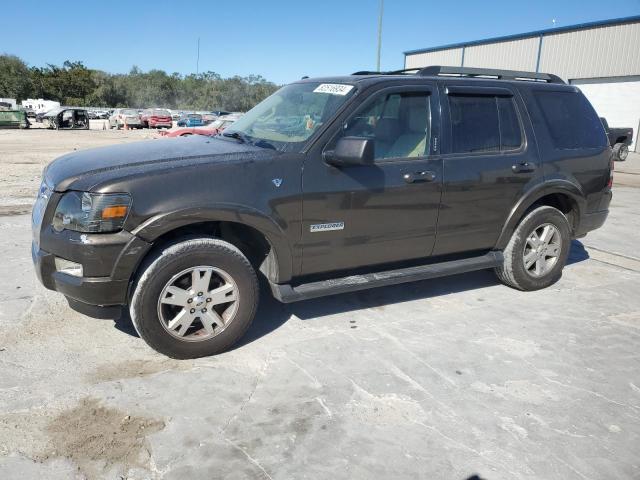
[272, 314]
[577, 253]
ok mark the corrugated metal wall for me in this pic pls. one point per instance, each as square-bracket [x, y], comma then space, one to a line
[513, 55]
[452, 57]
[598, 52]
[604, 51]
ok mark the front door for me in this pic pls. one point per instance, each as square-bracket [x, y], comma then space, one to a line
[359, 216]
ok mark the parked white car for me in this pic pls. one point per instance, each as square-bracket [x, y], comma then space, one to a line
[122, 116]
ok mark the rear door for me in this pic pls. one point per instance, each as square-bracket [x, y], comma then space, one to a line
[489, 161]
[357, 216]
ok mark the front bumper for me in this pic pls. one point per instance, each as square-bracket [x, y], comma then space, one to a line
[109, 262]
[92, 290]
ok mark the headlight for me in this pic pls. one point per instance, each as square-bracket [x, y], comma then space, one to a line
[91, 212]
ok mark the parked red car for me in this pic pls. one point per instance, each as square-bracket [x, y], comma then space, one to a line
[210, 130]
[156, 118]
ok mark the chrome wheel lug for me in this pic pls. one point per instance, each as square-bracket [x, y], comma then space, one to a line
[190, 300]
[193, 310]
[204, 310]
[208, 300]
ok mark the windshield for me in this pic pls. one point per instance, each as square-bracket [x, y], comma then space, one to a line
[160, 113]
[288, 118]
[129, 111]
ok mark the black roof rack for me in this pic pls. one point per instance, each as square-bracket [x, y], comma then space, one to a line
[436, 70]
[393, 72]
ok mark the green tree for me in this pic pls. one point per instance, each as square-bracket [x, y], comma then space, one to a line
[15, 81]
[75, 84]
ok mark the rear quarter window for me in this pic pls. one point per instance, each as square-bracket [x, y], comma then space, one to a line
[571, 120]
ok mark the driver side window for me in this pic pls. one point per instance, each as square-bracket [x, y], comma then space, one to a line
[398, 123]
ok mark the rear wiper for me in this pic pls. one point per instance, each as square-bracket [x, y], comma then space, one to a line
[237, 135]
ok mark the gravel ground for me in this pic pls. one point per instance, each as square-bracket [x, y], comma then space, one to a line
[447, 378]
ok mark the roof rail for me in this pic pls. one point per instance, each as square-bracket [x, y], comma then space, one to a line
[393, 72]
[436, 70]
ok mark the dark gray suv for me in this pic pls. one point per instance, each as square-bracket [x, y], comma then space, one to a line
[329, 185]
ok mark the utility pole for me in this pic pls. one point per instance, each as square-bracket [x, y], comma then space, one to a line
[380, 34]
[198, 58]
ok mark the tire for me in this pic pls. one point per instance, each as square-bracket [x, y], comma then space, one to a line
[514, 271]
[232, 269]
[620, 152]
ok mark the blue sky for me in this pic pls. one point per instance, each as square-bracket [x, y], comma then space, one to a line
[280, 40]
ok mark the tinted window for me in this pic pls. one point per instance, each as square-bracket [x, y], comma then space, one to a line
[510, 133]
[570, 119]
[474, 124]
[397, 122]
[483, 124]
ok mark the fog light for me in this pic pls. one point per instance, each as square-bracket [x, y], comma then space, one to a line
[70, 268]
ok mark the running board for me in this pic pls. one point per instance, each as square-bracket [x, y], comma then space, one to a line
[287, 294]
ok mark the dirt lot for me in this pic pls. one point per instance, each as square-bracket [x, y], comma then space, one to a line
[440, 379]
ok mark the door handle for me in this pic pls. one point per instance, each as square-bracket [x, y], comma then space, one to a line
[417, 177]
[523, 167]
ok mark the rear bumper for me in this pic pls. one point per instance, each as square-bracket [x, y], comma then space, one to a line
[591, 221]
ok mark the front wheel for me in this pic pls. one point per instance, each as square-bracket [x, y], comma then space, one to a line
[195, 298]
[537, 251]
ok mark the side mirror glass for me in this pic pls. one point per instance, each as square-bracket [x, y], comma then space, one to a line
[351, 151]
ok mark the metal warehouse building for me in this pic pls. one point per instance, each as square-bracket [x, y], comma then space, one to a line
[602, 58]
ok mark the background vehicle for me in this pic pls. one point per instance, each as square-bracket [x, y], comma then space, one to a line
[156, 118]
[65, 118]
[191, 120]
[207, 118]
[13, 118]
[122, 116]
[619, 139]
[211, 129]
[327, 186]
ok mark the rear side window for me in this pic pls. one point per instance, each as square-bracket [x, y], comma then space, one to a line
[483, 124]
[571, 121]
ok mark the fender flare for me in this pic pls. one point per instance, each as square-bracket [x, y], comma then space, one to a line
[163, 223]
[560, 186]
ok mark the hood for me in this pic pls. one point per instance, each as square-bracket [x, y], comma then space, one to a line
[140, 157]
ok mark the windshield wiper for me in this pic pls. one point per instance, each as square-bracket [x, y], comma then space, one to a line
[264, 144]
[237, 135]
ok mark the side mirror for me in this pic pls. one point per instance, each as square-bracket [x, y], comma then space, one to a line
[351, 151]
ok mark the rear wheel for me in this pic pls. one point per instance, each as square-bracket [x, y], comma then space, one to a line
[620, 151]
[195, 298]
[537, 251]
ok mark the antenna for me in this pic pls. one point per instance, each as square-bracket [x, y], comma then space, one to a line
[380, 34]
[198, 58]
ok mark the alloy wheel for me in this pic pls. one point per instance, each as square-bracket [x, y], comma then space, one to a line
[198, 303]
[542, 250]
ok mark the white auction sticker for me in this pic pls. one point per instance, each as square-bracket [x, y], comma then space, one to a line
[333, 88]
